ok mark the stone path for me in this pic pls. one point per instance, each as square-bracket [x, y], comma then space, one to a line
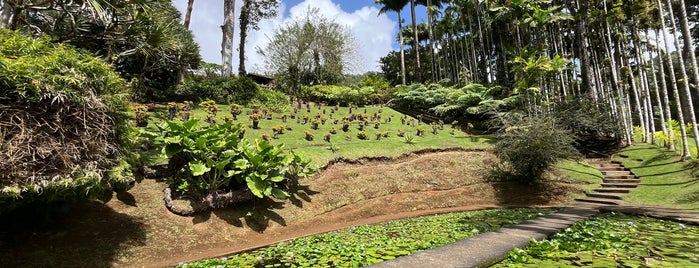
[489, 248]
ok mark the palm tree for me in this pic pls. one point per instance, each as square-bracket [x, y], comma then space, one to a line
[673, 83]
[416, 45]
[396, 6]
[685, 82]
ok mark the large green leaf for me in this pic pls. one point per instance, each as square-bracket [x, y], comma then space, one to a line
[198, 168]
[279, 194]
[256, 186]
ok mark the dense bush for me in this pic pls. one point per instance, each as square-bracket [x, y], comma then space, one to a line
[275, 101]
[529, 145]
[342, 95]
[593, 126]
[234, 89]
[63, 123]
[211, 160]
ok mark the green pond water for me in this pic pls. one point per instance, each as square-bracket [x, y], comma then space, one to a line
[613, 240]
[369, 244]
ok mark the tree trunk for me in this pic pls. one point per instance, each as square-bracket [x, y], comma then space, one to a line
[688, 45]
[416, 44]
[430, 34]
[685, 83]
[673, 83]
[402, 48]
[585, 61]
[244, 21]
[666, 96]
[227, 40]
[5, 15]
[188, 14]
[657, 90]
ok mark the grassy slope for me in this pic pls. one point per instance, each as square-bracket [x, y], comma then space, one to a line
[580, 173]
[665, 180]
[319, 151]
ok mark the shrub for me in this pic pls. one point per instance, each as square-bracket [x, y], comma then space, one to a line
[64, 123]
[594, 128]
[272, 100]
[238, 89]
[212, 159]
[530, 145]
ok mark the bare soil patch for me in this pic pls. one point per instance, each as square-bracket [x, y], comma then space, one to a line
[135, 229]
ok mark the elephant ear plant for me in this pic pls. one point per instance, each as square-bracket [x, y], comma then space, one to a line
[211, 161]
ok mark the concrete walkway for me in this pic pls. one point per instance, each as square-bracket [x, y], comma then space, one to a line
[489, 248]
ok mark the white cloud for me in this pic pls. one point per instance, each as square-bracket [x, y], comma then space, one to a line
[374, 33]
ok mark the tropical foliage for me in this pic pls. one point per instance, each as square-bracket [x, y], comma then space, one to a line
[618, 55]
[63, 123]
[213, 159]
[610, 240]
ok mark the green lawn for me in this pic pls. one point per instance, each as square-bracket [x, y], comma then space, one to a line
[580, 173]
[347, 144]
[665, 179]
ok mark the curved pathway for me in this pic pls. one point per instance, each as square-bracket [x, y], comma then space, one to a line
[489, 248]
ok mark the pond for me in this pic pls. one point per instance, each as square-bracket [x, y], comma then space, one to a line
[613, 240]
[369, 244]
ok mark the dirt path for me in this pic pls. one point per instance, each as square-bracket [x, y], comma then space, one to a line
[135, 229]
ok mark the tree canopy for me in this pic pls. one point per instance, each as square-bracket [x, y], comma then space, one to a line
[312, 50]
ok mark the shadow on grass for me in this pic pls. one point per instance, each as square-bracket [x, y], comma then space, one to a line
[660, 157]
[580, 172]
[643, 165]
[525, 195]
[685, 169]
[69, 239]
[692, 198]
[670, 184]
[256, 216]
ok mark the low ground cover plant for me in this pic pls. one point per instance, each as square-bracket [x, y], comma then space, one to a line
[614, 240]
[369, 244]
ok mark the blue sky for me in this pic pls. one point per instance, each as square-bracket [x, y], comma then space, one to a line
[375, 34]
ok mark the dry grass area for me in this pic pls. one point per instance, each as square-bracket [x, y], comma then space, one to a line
[136, 230]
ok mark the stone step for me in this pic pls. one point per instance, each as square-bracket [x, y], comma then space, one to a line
[625, 180]
[619, 185]
[612, 168]
[605, 195]
[613, 190]
[616, 172]
[603, 201]
[621, 177]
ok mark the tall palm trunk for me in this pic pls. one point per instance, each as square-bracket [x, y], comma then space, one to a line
[673, 83]
[402, 48]
[663, 84]
[430, 33]
[661, 104]
[685, 82]
[227, 40]
[688, 45]
[188, 14]
[416, 44]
